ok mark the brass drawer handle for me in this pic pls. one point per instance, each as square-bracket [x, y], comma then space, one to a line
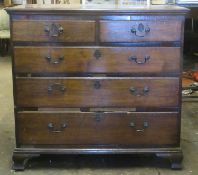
[52, 128]
[135, 59]
[56, 86]
[141, 30]
[54, 30]
[133, 125]
[53, 60]
[97, 54]
[141, 92]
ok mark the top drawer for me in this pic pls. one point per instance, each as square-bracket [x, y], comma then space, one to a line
[140, 31]
[54, 30]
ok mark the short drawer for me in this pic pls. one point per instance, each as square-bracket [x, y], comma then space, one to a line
[53, 30]
[97, 92]
[97, 59]
[140, 31]
[127, 129]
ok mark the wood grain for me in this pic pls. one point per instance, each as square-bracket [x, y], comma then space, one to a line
[38, 102]
[112, 92]
[120, 31]
[73, 31]
[84, 129]
[83, 60]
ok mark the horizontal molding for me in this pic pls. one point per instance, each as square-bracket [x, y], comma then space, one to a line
[96, 150]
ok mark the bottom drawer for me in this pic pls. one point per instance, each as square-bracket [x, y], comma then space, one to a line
[89, 128]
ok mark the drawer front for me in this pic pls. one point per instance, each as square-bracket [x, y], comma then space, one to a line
[139, 31]
[57, 30]
[97, 59]
[97, 92]
[129, 129]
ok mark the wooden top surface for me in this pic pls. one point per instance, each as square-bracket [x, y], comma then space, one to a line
[78, 8]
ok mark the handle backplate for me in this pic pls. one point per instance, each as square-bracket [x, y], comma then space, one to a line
[56, 86]
[52, 128]
[97, 54]
[139, 92]
[54, 30]
[97, 84]
[133, 125]
[54, 60]
[135, 59]
[140, 30]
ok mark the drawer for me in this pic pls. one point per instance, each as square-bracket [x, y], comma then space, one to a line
[140, 31]
[97, 92]
[53, 30]
[97, 59]
[129, 129]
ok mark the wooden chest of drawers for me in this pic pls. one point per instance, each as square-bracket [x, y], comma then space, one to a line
[97, 80]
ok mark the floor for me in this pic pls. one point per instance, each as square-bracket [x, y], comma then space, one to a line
[92, 165]
[190, 66]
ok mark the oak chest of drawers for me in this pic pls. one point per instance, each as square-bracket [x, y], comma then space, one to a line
[97, 80]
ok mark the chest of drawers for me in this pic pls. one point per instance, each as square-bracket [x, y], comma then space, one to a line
[97, 80]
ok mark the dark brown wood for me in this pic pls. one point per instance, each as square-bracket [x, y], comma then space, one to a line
[20, 160]
[120, 31]
[175, 159]
[142, 44]
[97, 92]
[117, 150]
[98, 129]
[73, 31]
[85, 60]
[77, 10]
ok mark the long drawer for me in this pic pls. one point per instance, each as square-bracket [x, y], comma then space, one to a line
[140, 31]
[97, 59]
[97, 92]
[54, 30]
[129, 129]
